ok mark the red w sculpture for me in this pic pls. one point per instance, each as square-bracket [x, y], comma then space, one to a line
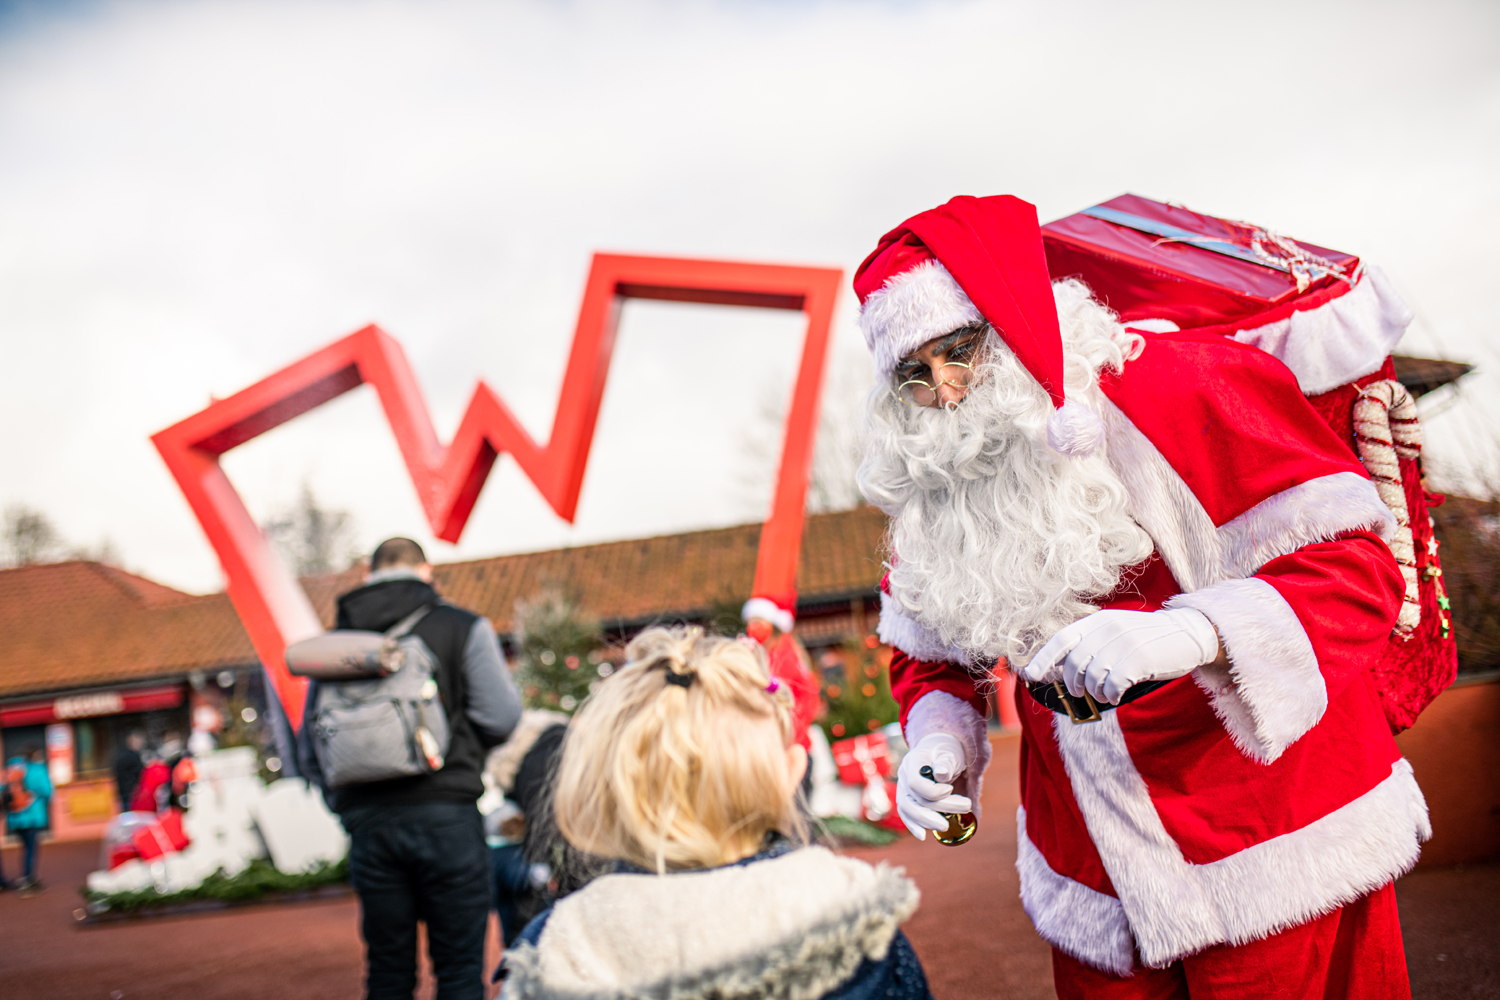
[272, 606]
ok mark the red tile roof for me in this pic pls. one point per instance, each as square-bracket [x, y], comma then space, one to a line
[629, 582]
[80, 624]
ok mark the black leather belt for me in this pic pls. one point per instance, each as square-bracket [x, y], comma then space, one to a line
[1055, 696]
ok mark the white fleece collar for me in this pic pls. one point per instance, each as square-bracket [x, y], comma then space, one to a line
[791, 927]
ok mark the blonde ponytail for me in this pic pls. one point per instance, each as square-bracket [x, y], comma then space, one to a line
[678, 759]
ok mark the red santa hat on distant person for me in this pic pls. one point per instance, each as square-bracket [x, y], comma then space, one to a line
[969, 260]
[779, 611]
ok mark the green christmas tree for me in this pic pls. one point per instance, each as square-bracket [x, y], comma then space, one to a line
[558, 651]
[857, 688]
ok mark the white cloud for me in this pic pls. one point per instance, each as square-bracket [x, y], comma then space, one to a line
[194, 194]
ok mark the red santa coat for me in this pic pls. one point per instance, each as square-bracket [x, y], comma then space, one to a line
[1222, 807]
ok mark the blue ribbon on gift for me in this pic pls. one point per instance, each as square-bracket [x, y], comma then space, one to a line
[1178, 235]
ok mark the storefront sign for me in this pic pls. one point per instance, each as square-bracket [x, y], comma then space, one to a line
[90, 704]
[80, 706]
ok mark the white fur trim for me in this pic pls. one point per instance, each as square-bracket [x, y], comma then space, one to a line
[1176, 908]
[1161, 502]
[1343, 339]
[1074, 429]
[940, 712]
[899, 629]
[1309, 512]
[1273, 692]
[1069, 915]
[911, 309]
[1200, 554]
[790, 928]
[760, 607]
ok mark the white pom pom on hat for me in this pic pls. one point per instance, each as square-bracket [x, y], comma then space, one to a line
[1074, 429]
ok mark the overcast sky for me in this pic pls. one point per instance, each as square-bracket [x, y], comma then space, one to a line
[194, 194]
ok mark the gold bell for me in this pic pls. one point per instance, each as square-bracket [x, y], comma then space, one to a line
[961, 828]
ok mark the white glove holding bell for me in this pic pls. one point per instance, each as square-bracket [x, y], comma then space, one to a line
[919, 800]
[1109, 652]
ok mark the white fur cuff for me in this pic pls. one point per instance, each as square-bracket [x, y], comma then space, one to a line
[940, 712]
[1273, 692]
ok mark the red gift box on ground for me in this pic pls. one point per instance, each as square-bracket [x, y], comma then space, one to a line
[164, 836]
[862, 759]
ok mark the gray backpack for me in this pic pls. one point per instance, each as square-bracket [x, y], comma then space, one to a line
[377, 714]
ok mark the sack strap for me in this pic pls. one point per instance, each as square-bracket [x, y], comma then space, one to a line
[408, 623]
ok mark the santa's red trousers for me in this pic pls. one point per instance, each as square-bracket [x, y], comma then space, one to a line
[1354, 953]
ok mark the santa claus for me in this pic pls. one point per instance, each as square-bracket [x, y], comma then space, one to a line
[1188, 571]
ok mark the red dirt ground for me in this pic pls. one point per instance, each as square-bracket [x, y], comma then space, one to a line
[970, 932]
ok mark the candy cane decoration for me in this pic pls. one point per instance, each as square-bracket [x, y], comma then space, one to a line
[1385, 430]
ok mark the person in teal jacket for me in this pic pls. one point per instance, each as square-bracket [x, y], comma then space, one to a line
[29, 770]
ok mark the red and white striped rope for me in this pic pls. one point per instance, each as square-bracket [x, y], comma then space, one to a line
[1385, 431]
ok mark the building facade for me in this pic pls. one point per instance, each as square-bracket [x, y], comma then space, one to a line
[89, 653]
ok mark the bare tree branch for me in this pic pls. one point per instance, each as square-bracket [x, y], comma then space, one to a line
[836, 451]
[311, 538]
[29, 537]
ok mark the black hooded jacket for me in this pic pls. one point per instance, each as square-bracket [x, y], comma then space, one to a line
[481, 700]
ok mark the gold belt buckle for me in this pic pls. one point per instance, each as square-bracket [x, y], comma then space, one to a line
[1062, 693]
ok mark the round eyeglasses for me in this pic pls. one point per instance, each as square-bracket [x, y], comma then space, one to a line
[919, 392]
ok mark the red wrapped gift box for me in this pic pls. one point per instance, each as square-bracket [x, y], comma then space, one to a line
[862, 759]
[164, 836]
[1149, 260]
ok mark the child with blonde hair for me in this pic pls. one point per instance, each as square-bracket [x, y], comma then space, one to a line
[683, 769]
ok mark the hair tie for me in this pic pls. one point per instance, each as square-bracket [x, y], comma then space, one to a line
[774, 686]
[683, 680]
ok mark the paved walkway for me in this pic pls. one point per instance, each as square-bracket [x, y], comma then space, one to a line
[970, 932]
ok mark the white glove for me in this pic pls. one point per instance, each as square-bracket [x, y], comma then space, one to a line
[919, 799]
[1109, 652]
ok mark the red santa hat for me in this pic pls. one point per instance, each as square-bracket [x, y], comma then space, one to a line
[779, 611]
[972, 259]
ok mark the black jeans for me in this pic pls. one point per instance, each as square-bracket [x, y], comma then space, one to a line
[28, 855]
[426, 862]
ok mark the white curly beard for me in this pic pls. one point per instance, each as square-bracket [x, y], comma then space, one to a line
[998, 540]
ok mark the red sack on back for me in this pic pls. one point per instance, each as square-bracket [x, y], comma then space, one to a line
[1329, 318]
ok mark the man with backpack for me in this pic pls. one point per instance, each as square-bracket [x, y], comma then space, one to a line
[417, 850]
[27, 794]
